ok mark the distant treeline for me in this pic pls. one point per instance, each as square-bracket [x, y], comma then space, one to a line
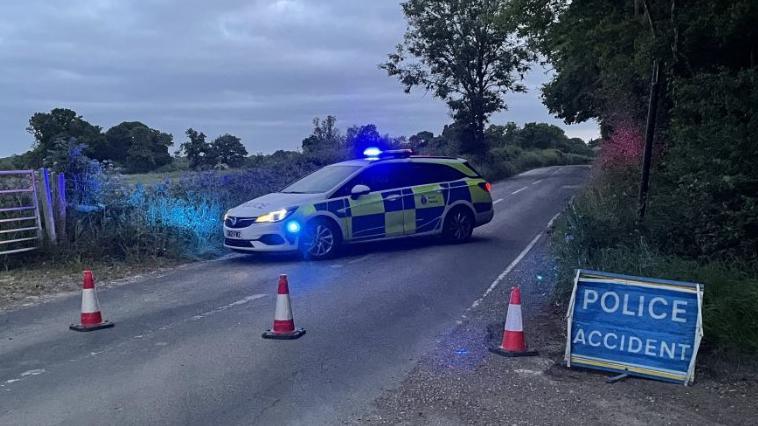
[134, 147]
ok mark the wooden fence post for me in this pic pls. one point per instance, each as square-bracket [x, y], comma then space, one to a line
[62, 205]
[35, 199]
[47, 206]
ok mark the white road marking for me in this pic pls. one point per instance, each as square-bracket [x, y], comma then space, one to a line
[525, 371]
[507, 271]
[35, 372]
[510, 267]
[497, 201]
[231, 305]
[537, 181]
[556, 171]
[25, 374]
[550, 224]
[518, 190]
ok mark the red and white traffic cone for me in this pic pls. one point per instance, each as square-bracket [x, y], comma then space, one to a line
[284, 325]
[91, 318]
[513, 343]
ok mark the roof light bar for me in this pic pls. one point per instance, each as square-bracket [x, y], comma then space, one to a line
[374, 153]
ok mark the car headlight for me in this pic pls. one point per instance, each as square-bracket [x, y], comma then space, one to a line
[276, 216]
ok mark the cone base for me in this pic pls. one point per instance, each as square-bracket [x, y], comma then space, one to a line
[503, 352]
[270, 334]
[83, 328]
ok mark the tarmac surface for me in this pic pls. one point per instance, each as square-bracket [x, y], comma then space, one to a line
[186, 348]
[460, 382]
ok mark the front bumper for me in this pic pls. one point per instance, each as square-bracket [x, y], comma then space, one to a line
[260, 237]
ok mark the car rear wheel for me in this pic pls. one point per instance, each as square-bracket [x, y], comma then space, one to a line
[320, 240]
[459, 225]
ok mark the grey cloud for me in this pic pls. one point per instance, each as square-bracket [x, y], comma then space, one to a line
[260, 69]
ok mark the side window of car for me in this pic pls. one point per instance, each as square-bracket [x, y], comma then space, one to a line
[379, 177]
[427, 173]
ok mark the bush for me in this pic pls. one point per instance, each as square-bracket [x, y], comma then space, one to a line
[599, 232]
[176, 218]
[509, 160]
[710, 165]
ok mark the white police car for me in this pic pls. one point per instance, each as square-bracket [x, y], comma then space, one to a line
[386, 195]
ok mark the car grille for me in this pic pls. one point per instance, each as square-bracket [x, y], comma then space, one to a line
[238, 243]
[271, 240]
[238, 222]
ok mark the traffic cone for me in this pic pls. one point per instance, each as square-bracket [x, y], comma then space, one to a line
[91, 318]
[513, 343]
[284, 325]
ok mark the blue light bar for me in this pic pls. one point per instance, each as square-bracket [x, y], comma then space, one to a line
[372, 152]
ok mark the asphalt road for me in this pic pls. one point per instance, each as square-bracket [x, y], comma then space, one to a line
[187, 349]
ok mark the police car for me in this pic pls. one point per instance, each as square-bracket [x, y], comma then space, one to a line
[386, 195]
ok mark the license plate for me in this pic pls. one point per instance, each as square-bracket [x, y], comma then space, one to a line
[234, 234]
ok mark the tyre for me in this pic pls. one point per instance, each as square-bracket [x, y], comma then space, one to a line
[320, 239]
[458, 226]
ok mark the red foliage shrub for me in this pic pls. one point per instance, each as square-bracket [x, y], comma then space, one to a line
[623, 148]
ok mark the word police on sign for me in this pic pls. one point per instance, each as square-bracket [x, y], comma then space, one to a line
[633, 325]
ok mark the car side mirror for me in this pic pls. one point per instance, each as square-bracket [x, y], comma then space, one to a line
[359, 190]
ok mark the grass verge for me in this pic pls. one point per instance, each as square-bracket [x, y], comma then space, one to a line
[598, 232]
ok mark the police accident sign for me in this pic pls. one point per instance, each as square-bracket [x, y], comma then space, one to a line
[639, 326]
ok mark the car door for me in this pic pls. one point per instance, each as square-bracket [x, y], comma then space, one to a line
[379, 213]
[429, 197]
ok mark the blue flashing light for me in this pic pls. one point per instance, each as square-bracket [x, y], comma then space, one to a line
[372, 152]
[292, 227]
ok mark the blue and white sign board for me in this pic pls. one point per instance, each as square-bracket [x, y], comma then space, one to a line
[640, 326]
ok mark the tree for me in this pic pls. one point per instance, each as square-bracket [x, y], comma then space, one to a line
[61, 124]
[467, 56]
[148, 149]
[361, 137]
[325, 137]
[198, 151]
[420, 140]
[704, 204]
[540, 136]
[499, 136]
[118, 141]
[228, 149]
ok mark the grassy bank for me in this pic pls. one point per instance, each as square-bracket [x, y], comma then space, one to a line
[599, 231]
[511, 160]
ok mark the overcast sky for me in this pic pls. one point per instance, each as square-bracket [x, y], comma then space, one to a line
[259, 69]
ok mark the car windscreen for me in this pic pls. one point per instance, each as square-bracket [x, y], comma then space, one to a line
[321, 180]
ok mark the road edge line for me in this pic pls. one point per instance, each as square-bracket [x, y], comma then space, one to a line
[519, 190]
[507, 271]
[513, 264]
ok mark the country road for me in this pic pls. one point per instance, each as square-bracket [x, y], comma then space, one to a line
[186, 348]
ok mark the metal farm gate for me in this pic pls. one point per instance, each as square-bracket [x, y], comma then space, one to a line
[20, 222]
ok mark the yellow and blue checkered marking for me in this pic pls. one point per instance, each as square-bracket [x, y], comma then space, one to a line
[411, 210]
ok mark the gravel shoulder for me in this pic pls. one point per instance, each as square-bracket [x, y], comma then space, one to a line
[460, 382]
[40, 282]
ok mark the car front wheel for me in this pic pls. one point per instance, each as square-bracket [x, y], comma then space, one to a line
[320, 240]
